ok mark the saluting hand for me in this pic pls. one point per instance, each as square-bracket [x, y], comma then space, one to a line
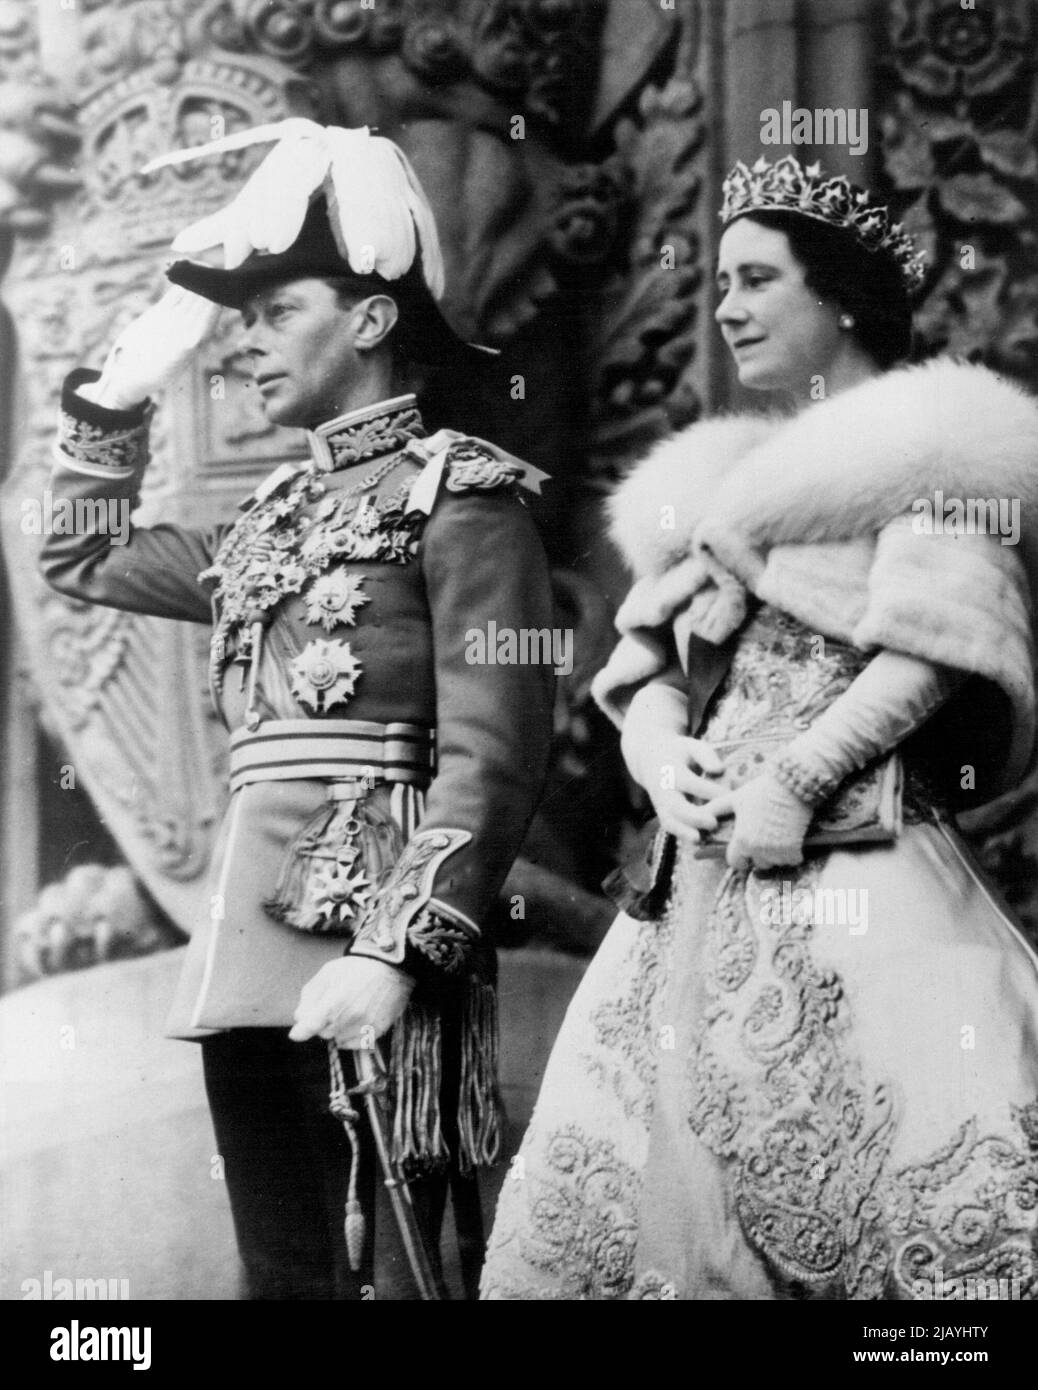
[353, 1000]
[152, 350]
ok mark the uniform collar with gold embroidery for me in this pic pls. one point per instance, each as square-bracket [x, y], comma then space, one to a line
[364, 434]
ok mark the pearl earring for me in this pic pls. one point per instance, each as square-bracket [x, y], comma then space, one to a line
[846, 320]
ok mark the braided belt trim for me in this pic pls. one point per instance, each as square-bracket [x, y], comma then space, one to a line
[290, 750]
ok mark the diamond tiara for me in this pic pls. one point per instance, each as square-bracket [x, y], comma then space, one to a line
[787, 186]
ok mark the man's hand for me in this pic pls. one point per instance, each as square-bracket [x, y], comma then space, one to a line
[152, 350]
[770, 823]
[353, 1000]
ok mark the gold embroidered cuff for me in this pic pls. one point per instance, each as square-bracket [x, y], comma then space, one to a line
[440, 938]
[97, 441]
[404, 912]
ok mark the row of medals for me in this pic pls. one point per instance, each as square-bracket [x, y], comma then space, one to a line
[273, 552]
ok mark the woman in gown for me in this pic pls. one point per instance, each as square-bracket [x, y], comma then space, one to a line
[809, 1070]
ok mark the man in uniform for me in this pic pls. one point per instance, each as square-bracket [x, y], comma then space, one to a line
[381, 784]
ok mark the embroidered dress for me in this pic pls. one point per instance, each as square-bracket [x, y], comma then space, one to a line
[818, 1082]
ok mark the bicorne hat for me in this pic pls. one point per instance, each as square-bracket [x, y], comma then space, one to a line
[426, 335]
[325, 202]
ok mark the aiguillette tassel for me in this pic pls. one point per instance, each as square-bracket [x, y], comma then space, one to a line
[355, 1223]
[479, 1101]
[416, 1076]
[355, 1226]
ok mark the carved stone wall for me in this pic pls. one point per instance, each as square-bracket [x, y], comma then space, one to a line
[124, 694]
[958, 95]
[959, 104]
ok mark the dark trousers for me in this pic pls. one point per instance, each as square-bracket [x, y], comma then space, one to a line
[287, 1163]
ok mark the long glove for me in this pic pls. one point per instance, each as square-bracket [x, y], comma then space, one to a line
[890, 699]
[662, 758]
[152, 350]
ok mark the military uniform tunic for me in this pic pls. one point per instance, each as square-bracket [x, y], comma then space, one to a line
[342, 600]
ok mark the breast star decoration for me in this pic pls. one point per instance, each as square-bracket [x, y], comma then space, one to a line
[334, 598]
[324, 674]
[338, 895]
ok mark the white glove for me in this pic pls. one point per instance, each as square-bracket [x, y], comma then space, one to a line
[353, 1000]
[671, 766]
[770, 824]
[152, 350]
[892, 697]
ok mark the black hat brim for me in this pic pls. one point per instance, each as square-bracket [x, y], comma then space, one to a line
[429, 337]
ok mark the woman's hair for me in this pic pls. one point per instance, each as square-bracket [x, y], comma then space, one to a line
[865, 284]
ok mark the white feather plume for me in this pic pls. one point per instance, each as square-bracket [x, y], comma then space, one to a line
[379, 213]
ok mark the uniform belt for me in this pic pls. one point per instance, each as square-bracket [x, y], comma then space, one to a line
[291, 750]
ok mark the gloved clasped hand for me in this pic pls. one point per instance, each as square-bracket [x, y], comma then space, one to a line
[684, 778]
[771, 823]
[892, 697]
[672, 767]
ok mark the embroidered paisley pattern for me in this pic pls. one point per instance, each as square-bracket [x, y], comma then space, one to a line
[582, 1216]
[625, 1027]
[967, 1212]
[781, 678]
[775, 1090]
[796, 1117]
[781, 674]
[652, 1287]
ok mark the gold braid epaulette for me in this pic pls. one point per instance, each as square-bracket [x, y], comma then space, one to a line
[473, 468]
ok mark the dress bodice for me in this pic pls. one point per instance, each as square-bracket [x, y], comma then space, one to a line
[781, 678]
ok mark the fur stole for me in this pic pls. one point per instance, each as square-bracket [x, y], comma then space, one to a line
[815, 514]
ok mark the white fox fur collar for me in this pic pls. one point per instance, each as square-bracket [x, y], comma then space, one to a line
[841, 468]
[814, 513]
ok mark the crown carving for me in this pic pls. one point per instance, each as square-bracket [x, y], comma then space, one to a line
[134, 119]
[787, 186]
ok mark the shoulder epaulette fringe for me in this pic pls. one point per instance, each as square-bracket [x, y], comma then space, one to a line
[473, 468]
